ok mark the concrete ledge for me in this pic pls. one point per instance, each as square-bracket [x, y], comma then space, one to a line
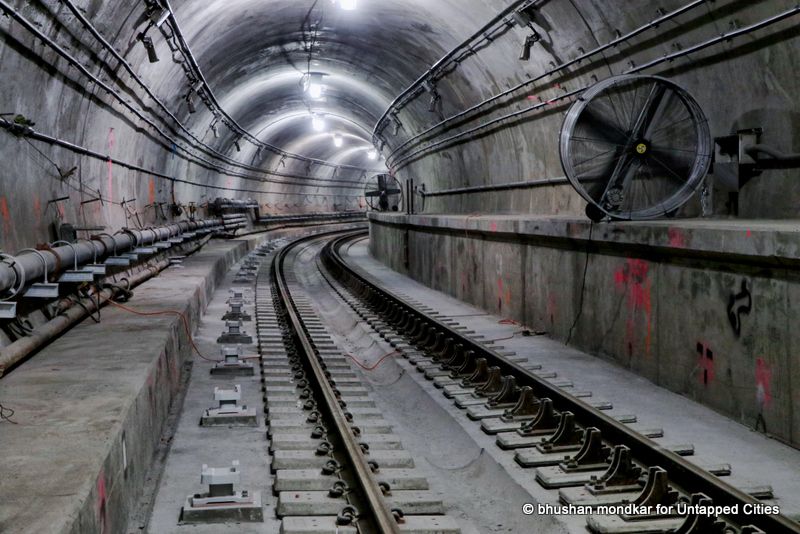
[765, 242]
[91, 406]
[705, 308]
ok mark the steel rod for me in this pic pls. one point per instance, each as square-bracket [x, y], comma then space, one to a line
[58, 258]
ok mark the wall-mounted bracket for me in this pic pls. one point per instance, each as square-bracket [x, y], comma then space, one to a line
[733, 166]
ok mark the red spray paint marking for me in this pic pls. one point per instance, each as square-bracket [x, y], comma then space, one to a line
[37, 208]
[763, 383]
[552, 308]
[111, 143]
[633, 279]
[5, 214]
[749, 233]
[705, 363]
[677, 238]
[102, 497]
[151, 191]
[493, 226]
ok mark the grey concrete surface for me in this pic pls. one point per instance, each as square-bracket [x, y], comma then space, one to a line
[479, 488]
[663, 299]
[756, 459]
[90, 407]
[194, 445]
[369, 56]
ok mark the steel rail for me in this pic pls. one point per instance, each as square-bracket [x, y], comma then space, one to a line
[64, 257]
[78, 149]
[381, 513]
[681, 472]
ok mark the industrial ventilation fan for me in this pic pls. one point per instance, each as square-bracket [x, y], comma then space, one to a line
[635, 147]
[383, 193]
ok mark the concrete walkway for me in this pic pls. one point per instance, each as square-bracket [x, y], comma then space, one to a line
[756, 460]
[90, 407]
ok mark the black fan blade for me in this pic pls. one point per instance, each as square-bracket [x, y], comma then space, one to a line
[601, 129]
[674, 164]
[382, 181]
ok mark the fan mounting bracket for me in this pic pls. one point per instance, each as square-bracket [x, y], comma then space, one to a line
[733, 166]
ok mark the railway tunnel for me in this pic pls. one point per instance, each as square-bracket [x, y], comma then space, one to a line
[429, 266]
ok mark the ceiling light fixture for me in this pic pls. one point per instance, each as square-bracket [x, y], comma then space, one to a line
[348, 5]
[372, 155]
[147, 41]
[318, 122]
[190, 102]
[338, 141]
[312, 85]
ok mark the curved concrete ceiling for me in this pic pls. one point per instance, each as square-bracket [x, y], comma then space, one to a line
[256, 55]
[504, 114]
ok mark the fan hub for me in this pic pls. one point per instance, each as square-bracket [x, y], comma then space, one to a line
[635, 147]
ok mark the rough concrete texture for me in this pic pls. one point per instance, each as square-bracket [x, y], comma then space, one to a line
[482, 491]
[90, 407]
[716, 438]
[702, 308]
[194, 445]
[369, 56]
[99, 386]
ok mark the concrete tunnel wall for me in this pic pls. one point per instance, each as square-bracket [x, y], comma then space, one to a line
[253, 60]
[253, 54]
[661, 299]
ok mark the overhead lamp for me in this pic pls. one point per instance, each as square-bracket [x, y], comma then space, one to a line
[190, 102]
[147, 41]
[313, 86]
[372, 155]
[530, 40]
[318, 123]
[338, 141]
[347, 5]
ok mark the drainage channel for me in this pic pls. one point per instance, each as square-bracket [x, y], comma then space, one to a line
[562, 435]
[338, 466]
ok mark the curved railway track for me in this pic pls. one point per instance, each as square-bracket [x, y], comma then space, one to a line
[610, 462]
[337, 466]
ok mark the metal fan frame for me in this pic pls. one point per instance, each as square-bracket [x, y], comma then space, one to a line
[699, 169]
[400, 205]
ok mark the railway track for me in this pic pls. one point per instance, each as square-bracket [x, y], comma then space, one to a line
[591, 458]
[337, 465]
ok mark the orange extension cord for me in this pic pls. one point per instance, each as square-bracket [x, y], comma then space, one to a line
[184, 320]
[371, 367]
